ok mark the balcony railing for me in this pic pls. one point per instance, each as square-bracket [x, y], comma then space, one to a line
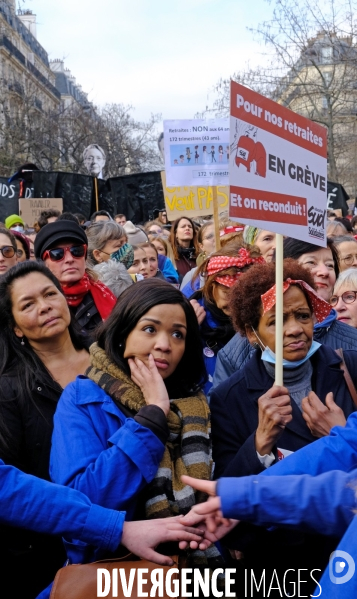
[6, 43]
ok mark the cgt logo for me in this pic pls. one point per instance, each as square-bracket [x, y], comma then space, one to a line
[341, 567]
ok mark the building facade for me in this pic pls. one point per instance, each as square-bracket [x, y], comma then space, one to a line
[40, 101]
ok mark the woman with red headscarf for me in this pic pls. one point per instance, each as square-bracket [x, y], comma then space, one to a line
[211, 303]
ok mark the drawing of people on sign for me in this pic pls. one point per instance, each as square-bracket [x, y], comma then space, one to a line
[196, 155]
[250, 153]
[94, 159]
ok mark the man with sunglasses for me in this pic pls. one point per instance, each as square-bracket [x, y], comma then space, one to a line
[62, 245]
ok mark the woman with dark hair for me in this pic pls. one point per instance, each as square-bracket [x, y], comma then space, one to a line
[268, 422]
[40, 353]
[323, 263]
[147, 351]
[23, 246]
[8, 247]
[347, 251]
[183, 239]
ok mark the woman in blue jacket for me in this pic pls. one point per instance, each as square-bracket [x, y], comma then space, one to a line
[139, 419]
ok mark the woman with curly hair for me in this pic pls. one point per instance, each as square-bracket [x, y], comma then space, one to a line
[256, 423]
[183, 239]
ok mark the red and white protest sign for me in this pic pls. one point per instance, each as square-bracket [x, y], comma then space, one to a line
[278, 168]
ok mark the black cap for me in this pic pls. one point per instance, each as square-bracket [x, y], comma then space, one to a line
[58, 231]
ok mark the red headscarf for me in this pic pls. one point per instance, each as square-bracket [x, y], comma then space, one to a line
[218, 263]
[103, 298]
[321, 308]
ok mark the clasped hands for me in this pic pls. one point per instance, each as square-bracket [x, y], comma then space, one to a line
[208, 516]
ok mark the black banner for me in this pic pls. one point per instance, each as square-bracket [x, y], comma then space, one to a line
[337, 197]
[9, 198]
[136, 196]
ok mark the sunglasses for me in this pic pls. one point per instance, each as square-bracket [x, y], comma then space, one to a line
[8, 251]
[57, 254]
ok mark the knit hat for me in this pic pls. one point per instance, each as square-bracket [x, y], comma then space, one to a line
[134, 234]
[12, 220]
[25, 242]
[58, 231]
[251, 234]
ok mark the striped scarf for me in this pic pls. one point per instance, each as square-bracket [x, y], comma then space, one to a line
[188, 449]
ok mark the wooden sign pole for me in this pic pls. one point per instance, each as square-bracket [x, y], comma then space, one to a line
[279, 280]
[216, 218]
[96, 194]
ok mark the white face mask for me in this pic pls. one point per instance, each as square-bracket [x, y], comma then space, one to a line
[18, 228]
[269, 356]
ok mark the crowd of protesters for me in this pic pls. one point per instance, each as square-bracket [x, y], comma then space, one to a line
[134, 355]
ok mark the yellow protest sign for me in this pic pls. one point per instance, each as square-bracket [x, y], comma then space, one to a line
[192, 201]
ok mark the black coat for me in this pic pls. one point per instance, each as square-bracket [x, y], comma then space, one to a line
[87, 315]
[28, 560]
[234, 407]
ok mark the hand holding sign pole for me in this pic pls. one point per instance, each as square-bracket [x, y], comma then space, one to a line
[278, 179]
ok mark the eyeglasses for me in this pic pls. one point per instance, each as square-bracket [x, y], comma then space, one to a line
[7, 251]
[348, 298]
[57, 254]
[349, 259]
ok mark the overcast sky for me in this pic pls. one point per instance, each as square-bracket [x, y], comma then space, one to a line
[161, 56]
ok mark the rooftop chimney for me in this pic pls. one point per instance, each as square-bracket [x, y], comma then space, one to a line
[28, 19]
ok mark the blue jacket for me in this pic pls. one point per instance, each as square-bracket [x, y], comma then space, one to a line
[324, 503]
[321, 498]
[32, 503]
[238, 350]
[35, 504]
[338, 451]
[167, 269]
[234, 408]
[191, 287]
[97, 450]
[100, 452]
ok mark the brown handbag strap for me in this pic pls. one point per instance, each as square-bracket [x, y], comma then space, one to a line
[346, 374]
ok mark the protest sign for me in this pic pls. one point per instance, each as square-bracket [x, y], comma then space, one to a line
[192, 201]
[278, 168]
[30, 209]
[196, 152]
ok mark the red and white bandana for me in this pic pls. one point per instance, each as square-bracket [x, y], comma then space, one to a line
[220, 263]
[230, 229]
[320, 308]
